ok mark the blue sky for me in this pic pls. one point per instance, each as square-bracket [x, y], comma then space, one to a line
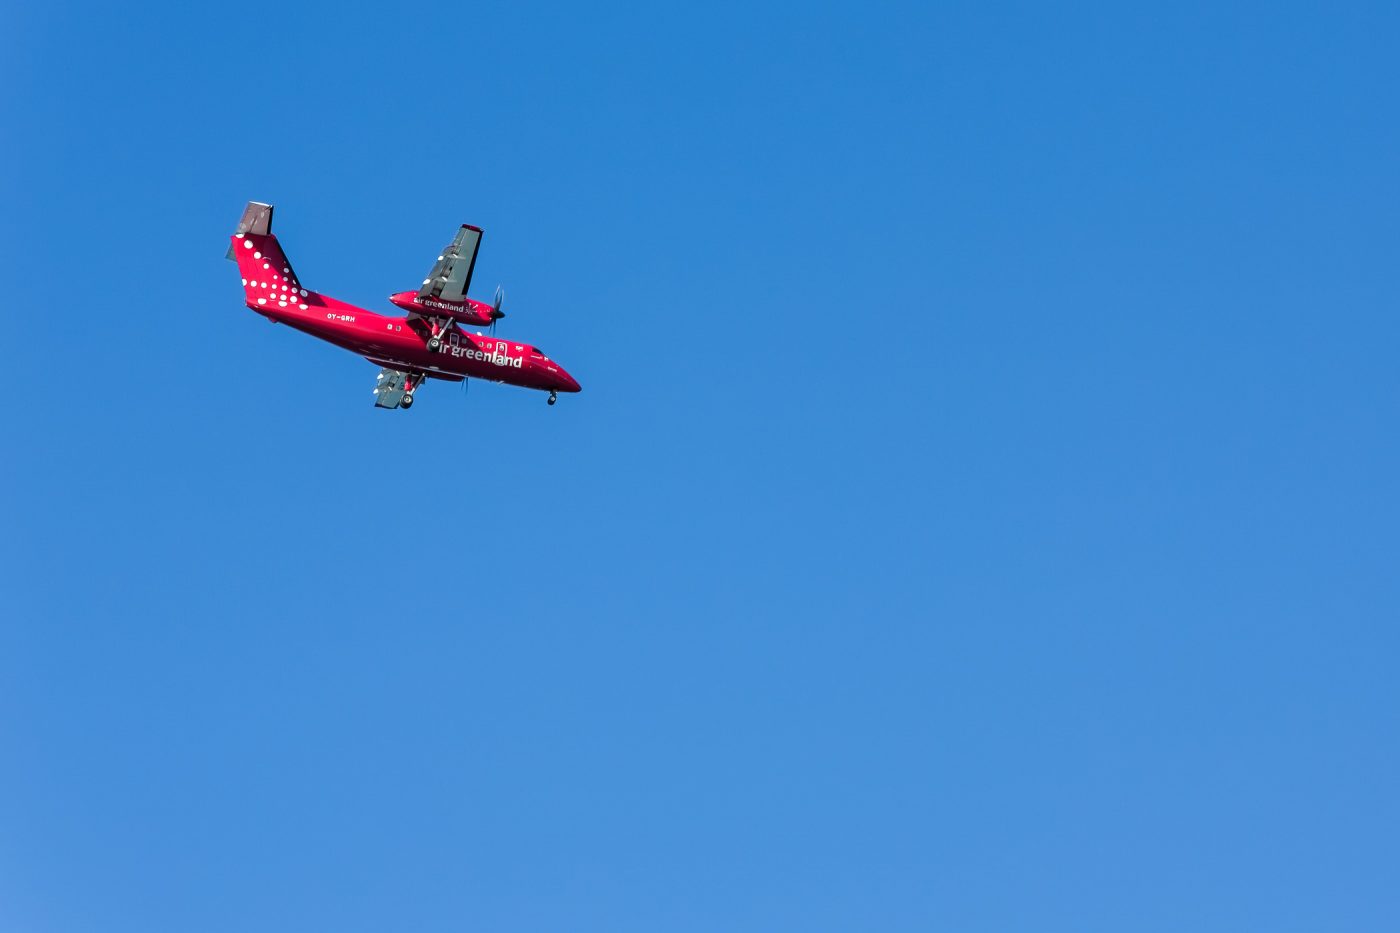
[979, 515]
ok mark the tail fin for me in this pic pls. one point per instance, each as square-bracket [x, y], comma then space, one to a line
[268, 278]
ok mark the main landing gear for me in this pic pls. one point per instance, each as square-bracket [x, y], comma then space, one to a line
[411, 386]
[553, 397]
[437, 329]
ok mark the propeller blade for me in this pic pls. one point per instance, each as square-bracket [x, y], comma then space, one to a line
[496, 312]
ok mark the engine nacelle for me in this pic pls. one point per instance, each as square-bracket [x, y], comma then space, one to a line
[466, 311]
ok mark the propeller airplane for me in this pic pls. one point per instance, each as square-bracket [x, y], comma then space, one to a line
[428, 343]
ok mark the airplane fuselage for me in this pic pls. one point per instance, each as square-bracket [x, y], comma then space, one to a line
[394, 342]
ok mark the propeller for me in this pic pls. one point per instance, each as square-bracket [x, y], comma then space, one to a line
[496, 312]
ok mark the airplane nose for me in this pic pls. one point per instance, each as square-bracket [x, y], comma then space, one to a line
[567, 383]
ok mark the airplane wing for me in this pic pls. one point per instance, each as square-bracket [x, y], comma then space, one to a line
[452, 273]
[392, 387]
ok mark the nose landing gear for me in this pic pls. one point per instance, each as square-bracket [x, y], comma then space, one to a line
[553, 397]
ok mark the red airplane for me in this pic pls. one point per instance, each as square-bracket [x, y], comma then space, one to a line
[427, 344]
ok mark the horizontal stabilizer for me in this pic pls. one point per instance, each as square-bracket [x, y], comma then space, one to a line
[257, 218]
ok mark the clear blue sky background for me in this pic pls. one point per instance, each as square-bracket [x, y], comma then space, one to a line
[980, 513]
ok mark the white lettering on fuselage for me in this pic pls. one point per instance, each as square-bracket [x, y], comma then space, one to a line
[340, 317]
[498, 357]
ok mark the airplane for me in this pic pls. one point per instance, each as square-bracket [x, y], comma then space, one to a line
[428, 343]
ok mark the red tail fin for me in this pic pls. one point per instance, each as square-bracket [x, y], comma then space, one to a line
[268, 279]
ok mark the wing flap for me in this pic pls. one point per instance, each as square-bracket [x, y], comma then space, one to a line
[392, 387]
[452, 273]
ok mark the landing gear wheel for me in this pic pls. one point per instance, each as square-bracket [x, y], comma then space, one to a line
[553, 398]
[433, 344]
[407, 402]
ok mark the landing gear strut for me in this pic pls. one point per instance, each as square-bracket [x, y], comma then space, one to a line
[553, 397]
[436, 330]
[411, 386]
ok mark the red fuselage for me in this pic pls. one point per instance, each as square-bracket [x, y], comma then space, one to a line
[394, 342]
